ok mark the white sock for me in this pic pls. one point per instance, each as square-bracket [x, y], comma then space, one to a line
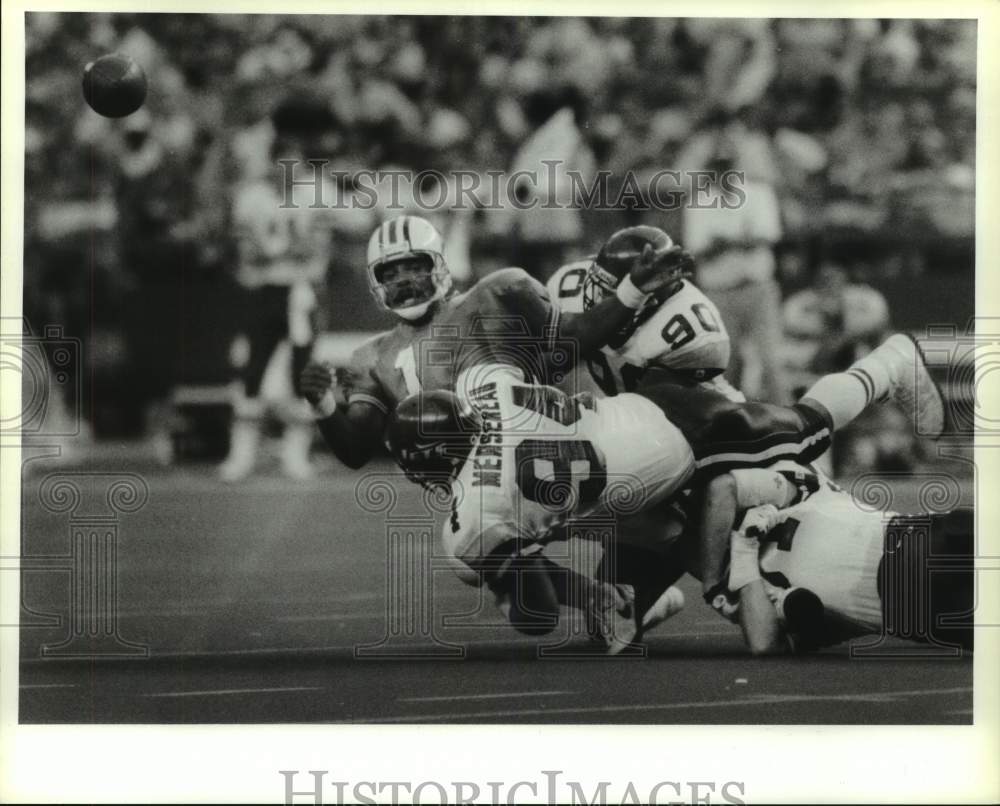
[846, 394]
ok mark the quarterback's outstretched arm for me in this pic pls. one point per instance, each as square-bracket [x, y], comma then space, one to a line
[354, 433]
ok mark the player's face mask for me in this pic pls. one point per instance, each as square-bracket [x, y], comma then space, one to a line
[597, 286]
[408, 282]
[600, 284]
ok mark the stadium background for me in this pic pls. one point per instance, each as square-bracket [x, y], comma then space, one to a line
[865, 128]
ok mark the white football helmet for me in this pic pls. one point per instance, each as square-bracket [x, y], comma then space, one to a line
[401, 238]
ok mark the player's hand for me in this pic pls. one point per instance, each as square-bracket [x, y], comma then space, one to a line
[760, 520]
[655, 270]
[316, 383]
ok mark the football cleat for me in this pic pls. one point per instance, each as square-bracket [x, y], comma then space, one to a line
[611, 617]
[913, 388]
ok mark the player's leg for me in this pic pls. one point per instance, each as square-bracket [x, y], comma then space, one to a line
[755, 434]
[895, 369]
[725, 435]
[926, 578]
[644, 555]
[302, 304]
[296, 441]
[529, 589]
[264, 328]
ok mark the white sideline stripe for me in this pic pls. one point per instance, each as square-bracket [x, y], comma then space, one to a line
[497, 696]
[473, 643]
[224, 691]
[763, 699]
[47, 685]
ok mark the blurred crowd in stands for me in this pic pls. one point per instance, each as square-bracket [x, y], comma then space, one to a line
[863, 130]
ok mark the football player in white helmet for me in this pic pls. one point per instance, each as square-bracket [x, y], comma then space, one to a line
[406, 268]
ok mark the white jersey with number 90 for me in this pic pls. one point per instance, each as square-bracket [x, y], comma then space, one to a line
[684, 334]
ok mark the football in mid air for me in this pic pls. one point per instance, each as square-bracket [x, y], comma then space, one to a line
[114, 85]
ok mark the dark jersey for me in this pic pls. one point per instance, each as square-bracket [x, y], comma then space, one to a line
[506, 318]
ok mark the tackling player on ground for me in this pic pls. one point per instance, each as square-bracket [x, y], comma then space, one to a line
[810, 563]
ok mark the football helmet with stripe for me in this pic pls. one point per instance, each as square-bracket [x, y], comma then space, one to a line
[406, 267]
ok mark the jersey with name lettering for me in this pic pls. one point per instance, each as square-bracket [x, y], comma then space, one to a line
[505, 318]
[831, 545]
[685, 334]
[544, 457]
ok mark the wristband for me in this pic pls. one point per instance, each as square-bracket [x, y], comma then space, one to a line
[630, 296]
[744, 566]
[326, 406]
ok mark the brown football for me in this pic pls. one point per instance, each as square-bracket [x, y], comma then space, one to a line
[114, 85]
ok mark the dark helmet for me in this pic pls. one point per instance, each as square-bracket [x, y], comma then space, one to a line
[430, 435]
[619, 254]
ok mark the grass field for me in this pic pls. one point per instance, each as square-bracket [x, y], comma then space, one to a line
[254, 603]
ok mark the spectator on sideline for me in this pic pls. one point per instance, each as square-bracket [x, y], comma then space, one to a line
[732, 237]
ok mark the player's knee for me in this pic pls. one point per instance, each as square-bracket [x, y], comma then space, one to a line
[526, 588]
[525, 592]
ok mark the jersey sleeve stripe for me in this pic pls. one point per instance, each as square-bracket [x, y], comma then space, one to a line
[371, 400]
